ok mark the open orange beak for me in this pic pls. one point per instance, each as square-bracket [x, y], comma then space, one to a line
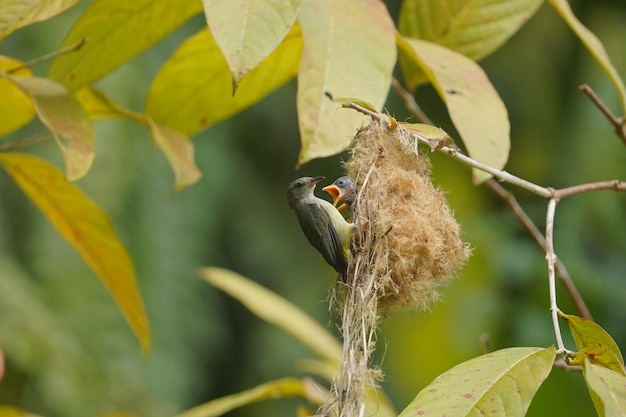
[334, 192]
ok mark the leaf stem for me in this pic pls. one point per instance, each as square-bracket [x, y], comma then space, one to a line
[20, 143]
[48, 57]
[618, 122]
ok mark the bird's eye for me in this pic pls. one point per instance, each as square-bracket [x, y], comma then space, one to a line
[300, 184]
[341, 182]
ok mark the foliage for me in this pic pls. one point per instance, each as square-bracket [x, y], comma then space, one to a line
[246, 51]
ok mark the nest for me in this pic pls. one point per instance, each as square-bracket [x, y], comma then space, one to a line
[406, 238]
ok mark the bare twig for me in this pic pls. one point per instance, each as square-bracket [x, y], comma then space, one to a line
[409, 101]
[551, 258]
[618, 122]
[24, 142]
[49, 56]
[592, 186]
[539, 238]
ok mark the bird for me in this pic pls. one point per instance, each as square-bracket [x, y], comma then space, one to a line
[343, 189]
[322, 224]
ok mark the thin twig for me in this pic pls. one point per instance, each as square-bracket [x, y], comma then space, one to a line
[551, 258]
[616, 185]
[521, 215]
[48, 57]
[618, 122]
[24, 142]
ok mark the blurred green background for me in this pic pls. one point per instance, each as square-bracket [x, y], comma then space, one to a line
[69, 352]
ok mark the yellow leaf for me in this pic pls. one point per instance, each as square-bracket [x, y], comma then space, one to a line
[87, 227]
[16, 107]
[192, 91]
[436, 136]
[593, 44]
[116, 30]
[348, 51]
[248, 30]
[15, 14]
[473, 28]
[607, 389]
[280, 388]
[176, 146]
[276, 310]
[475, 107]
[179, 151]
[66, 119]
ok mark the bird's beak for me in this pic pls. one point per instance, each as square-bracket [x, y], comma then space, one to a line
[343, 207]
[315, 180]
[334, 192]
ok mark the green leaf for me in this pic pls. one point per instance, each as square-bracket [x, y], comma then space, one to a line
[607, 389]
[116, 30]
[15, 14]
[348, 51]
[86, 227]
[281, 388]
[473, 28]
[593, 44]
[275, 310]
[66, 119]
[595, 343]
[16, 107]
[474, 105]
[497, 384]
[98, 106]
[248, 30]
[192, 91]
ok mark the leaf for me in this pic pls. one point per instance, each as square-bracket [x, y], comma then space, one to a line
[179, 151]
[86, 227]
[15, 14]
[437, 137]
[475, 107]
[176, 146]
[594, 342]
[607, 389]
[192, 90]
[275, 310]
[66, 119]
[473, 28]
[247, 30]
[280, 388]
[348, 51]
[116, 30]
[16, 107]
[501, 383]
[345, 101]
[593, 44]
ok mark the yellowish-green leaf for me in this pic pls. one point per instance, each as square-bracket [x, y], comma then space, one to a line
[473, 28]
[192, 91]
[349, 51]
[117, 30]
[176, 146]
[344, 101]
[98, 106]
[66, 119]
[593, 44]
[179, 151]
[437, 137]
[607, 389]
[86, 227]
[275, 310]
[248, 30]
[16, 107]
[15, 14]
[280, 388]
[474, 105]
[595, 343]
[498, 384]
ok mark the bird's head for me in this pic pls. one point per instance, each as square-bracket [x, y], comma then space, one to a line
[340, 190]
[301, 189]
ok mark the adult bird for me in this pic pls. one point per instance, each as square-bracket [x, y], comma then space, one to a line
[343, 189]
[322, 224]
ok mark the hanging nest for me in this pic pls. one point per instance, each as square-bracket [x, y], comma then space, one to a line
[406, 241]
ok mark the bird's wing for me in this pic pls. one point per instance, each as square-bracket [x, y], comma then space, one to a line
[329, 244]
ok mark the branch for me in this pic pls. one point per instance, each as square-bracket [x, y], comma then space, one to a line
[619, 123]
[49, 56]
[562, 272]
[592, 186]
